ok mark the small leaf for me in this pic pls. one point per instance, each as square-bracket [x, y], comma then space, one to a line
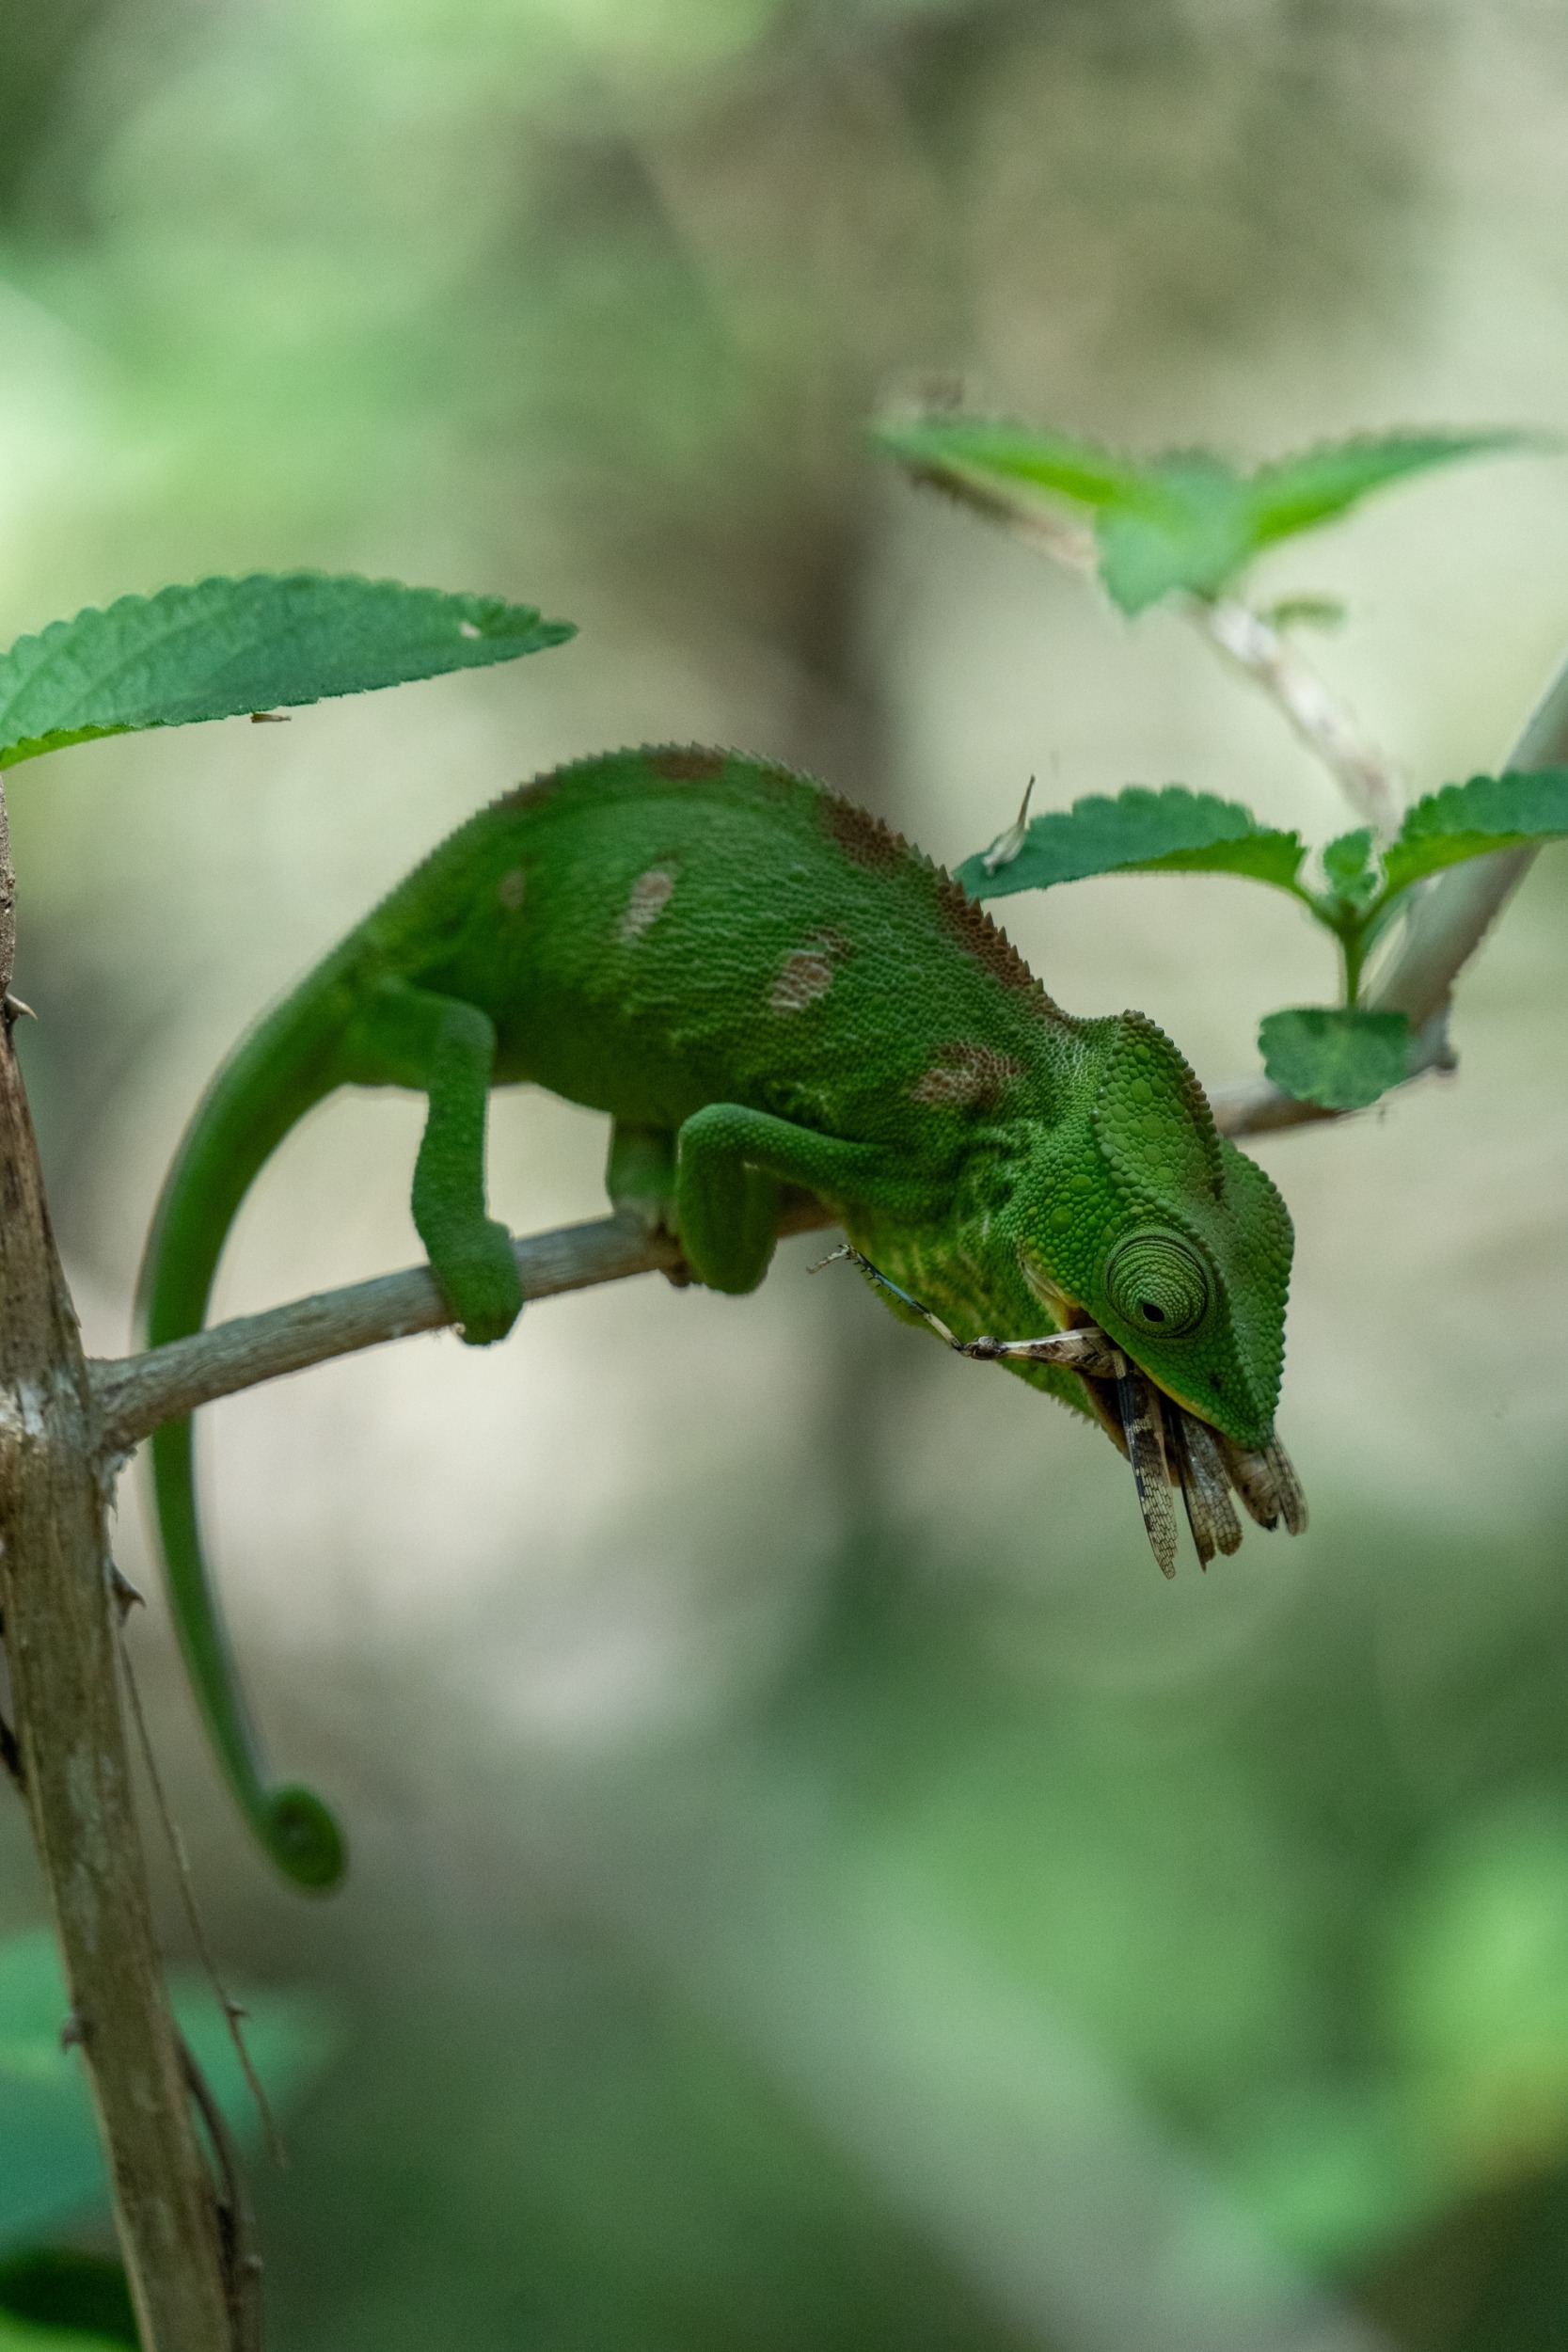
[1139, 831]
[1188, 522]
[1351, 869]
[227, 647]
[1465, 820]
[1192, 536]
[1337, 1055]
[945, 449]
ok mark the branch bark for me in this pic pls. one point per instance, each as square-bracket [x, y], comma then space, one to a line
[60, 1650]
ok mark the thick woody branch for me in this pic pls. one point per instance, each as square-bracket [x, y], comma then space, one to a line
[74, 1770]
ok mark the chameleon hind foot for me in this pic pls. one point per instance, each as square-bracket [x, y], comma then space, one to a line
[639, 1178]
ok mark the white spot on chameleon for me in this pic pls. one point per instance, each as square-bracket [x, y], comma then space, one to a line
[806, 975]
[650, 896]
[809, 972]
[511, 889]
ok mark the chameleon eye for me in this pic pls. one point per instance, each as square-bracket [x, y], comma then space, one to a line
[1158, 1284]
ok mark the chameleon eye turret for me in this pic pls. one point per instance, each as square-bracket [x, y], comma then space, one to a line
[1158, 1283]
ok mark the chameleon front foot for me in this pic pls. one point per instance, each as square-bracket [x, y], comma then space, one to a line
[480, 1284]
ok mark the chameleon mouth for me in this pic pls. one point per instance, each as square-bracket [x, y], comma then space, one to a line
[1171, 1449]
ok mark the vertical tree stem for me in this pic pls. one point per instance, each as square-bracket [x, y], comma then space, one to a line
[60, 1647]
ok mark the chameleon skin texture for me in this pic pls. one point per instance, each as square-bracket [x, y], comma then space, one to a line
[761, 984]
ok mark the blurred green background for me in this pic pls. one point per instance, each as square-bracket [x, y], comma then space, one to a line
[815, 1887]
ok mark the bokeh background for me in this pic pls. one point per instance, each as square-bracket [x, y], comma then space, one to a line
[815, 1885]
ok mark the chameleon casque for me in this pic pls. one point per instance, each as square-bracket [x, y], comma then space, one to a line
[762, 985]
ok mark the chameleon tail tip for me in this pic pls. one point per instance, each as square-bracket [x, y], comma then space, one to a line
[304, 1839]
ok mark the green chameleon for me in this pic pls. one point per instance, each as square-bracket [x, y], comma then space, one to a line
[765, 987]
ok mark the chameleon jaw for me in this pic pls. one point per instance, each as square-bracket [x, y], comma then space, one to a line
[1170, 1446]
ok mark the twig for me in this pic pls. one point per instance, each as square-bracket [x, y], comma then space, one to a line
[1327, 727]
[232, 2012]
[242, 2264]
[1450, 918]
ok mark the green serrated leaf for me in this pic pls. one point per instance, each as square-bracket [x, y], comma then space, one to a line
[227, 647]
[1188, 522]
[1351, 869]
[1297, 493]
[947, 450]
[1339, 1056]
[1139, 831]
[1465, 820]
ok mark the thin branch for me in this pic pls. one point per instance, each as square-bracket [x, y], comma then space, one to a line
[1450, 918]
[1369, 779]
[135, 1394]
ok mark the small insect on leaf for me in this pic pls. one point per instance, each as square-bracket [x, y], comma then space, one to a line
[1139, 832]
[227, 647]
[1341, 1058]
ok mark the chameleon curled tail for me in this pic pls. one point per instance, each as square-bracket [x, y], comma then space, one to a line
[280, 1072]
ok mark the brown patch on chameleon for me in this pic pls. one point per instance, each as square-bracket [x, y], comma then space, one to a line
[808, 973]
[864, 838]
[688, 763]
[979, 937]
[966, 1075]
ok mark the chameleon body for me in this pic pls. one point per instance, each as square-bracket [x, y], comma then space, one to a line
[763, 986]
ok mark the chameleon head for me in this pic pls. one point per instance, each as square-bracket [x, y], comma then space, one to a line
[1172, 1241]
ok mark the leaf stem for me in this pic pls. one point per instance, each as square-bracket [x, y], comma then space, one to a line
[1369, 779]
